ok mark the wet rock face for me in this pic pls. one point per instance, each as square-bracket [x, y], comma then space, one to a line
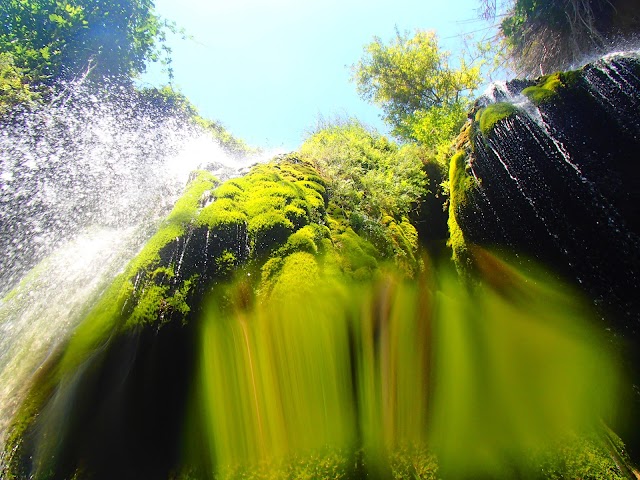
[556, 180]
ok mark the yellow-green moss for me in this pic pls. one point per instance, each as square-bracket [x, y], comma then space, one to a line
[358, 257]
[221, 214]
[298, 276]
[110, 314]
[268, 230]
[226, 262]
[460, 183]
[548, 86]
[229, 189]
[488, 117]
[303, 240]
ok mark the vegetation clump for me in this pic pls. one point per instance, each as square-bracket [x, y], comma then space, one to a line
[461, 183]
[489, 116]
[423, 96]
[61, 39]
[548, 86]
[14, 86]
[547, 35]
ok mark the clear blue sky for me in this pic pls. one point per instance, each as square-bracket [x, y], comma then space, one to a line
[268, 69]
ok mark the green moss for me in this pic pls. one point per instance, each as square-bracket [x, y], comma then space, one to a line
[546, 89]
[460, 184]
[313, 185]
[548, 86]
[299, 275]
[587, 455]
[492, 114]
[271, 268]
[404, 241]
[298, 216]
[304, 240]
[413, 462]
[229, 190]
[187, 206]
[223, 213]
[279, 207]
[226, 263]
[358, 257]
[269, 229]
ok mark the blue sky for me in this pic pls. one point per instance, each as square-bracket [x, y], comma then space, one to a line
[268, 69]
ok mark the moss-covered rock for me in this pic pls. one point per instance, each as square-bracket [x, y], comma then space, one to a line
[272, 224]
[560, 186]
[547, 87]
[490, 115]
[460, 186]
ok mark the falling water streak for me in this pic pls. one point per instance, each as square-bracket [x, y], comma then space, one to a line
[611, 214]
[83, 184]
[38, 314]
[504, 164]
[601, 90]
[610, 86]
[486, 199]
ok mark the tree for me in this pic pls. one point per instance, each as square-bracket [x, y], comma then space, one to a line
[57, 39]
[13, 88]
[367, 173]
[547, 35]
[420, 92]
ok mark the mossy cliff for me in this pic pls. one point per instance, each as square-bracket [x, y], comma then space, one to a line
[546, 169]
[199, 313]
[123, 376]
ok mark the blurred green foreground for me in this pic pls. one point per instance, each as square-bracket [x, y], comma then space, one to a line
[426, 379]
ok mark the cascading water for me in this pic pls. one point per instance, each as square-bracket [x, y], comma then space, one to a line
[84, 180]
[256, 334]
[555, 179]
[552, 174]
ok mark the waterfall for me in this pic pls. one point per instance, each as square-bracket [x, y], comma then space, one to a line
[556, 179]
[254, 332]
[84, 181]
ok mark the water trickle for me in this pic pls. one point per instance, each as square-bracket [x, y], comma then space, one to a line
[84, 181]
[558, 176]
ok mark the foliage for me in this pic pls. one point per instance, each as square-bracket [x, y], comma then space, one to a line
[436, 126]
[14, 88]
[366, 172]
[547, 86]
[169, 101]
[410, 77]
[488, 117]
[373, 185]
[393, 375]
[547, 35]
[357, 354]
[54, 39]
[460, 183]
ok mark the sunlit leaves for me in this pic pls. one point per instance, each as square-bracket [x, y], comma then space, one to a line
[409, 77]
[55, 39]
[13, 85]
[367, 172]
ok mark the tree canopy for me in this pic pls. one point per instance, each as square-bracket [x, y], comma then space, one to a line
[56, 39]
[421, 92]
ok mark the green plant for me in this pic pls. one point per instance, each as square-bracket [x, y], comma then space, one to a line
[54, 39]
[489, 116]
[547, 35]
[422, 96]
[14, 86]
[547, 87]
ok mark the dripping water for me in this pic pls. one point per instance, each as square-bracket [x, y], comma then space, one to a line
[555, 168]
[84, 181]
